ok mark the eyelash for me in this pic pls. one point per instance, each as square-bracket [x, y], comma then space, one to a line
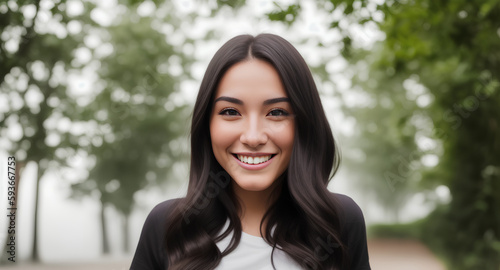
[283, 112]
[226, 111]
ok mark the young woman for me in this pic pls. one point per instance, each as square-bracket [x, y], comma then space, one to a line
[262, 154]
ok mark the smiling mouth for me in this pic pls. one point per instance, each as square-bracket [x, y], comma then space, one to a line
[254, 160]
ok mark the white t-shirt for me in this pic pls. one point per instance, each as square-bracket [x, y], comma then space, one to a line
[253, 253]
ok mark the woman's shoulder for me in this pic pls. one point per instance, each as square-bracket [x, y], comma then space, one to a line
[350, 212]
[149, 253]
[164, 206]
[353, 232]
[159, 213]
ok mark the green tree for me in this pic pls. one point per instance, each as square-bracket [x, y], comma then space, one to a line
[36, 54]
[453, 48]
[139, 112]
[382, 156]
[45, 121]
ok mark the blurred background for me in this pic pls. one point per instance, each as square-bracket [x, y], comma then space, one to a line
[96, 99]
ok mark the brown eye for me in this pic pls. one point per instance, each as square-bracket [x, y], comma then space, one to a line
[278, 112]
[229, 112]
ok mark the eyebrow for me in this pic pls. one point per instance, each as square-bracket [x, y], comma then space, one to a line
[240, 102]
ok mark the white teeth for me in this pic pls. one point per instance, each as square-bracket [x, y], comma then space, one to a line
[253, 160]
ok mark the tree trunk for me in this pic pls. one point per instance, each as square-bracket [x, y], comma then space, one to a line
[125, 233]
[35, 257]
[104, 231]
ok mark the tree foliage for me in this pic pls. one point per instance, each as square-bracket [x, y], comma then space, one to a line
[452, 48]
[139, 112]
[129, 120]
[36, 54]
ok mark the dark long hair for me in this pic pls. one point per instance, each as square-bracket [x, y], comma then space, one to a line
[306, 214]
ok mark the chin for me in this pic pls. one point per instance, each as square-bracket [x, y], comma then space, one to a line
[253, 184]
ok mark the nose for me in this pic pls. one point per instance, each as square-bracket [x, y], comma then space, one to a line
[254, 133]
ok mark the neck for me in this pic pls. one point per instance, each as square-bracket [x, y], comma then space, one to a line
[254, 205]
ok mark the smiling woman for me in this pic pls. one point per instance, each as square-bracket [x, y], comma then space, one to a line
[252, 125]
[262, 153]
[252, 131]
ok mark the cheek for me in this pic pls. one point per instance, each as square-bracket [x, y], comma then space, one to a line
[284, 135]
[288, 139]
[221, 136]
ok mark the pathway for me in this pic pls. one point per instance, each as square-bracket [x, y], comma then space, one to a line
[398, 254]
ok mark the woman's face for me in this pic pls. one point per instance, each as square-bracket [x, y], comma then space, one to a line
[252, 125]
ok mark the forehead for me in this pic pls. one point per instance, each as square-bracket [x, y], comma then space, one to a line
[251, 79]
